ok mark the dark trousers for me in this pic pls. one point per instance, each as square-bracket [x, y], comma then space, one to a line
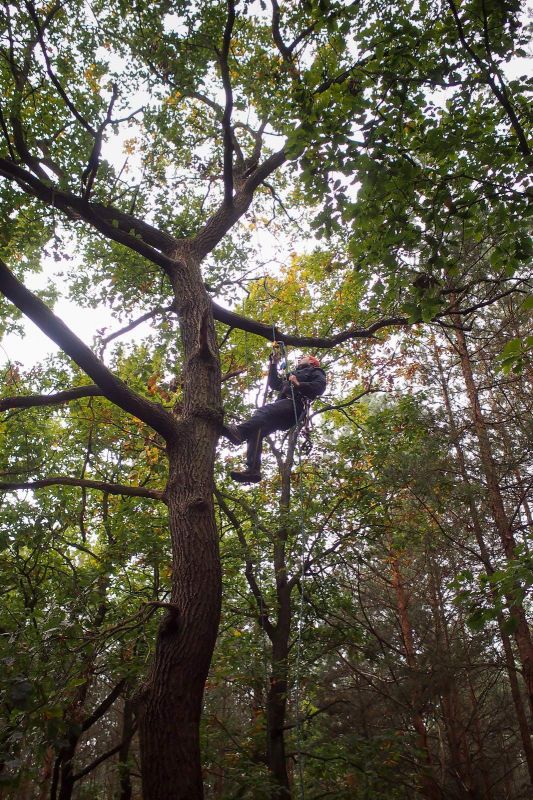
[278, 416]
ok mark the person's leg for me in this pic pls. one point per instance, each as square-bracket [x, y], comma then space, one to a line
[269, 418]
[251, 431]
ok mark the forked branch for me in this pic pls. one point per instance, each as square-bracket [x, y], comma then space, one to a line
[112, 387]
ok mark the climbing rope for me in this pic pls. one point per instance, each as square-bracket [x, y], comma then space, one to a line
[302, 424]
[258, 558]
[303, 554]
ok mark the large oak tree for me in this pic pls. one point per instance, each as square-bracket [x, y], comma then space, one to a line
[230, 107]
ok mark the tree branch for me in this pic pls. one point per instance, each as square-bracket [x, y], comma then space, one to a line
[60, 480]
[272, 333]
[111, 222]
[112, 387]
[38, 400]
[346, 404]
[51, 74]
[134, 323]
[263, 619]
[108, 754]
[311, 28]
[22, 149]
[452, 309]
[3, 128]
[499, 92]
[106, 703]
[225, 217]
[276, 35]
[90, 171]
[228, 109]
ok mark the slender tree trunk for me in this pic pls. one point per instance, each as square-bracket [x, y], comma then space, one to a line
[46, 773]
[62, 784]
[125, 787]
[276, 706]
[485, 557]
[171, 700]
[484, 764]
[461, 767]
[522, 632]
[429, 787]
[276, 714]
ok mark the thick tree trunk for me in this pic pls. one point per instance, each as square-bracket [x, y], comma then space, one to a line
[171, 701]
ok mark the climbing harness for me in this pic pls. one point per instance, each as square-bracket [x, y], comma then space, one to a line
[303, 420]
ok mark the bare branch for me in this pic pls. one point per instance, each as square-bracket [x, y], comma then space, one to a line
[40, 35]
[134, 324]
[112, 387]
[274, 334]
[452, 309]
[89, 173]
[263, 619]
[104, 757]
[106, 703]
[276, 35]
[102, 486]
[232, 374]
[346, 404]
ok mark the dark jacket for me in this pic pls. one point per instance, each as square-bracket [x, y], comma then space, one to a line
[312, 382]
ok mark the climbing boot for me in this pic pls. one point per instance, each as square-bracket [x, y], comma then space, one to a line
[247, 476]
[232, 433]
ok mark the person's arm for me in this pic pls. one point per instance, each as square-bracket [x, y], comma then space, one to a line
[274, 380]
[313, 388]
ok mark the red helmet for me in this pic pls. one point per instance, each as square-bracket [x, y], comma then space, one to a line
[313, 361]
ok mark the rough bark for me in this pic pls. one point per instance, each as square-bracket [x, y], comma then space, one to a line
[171, 700]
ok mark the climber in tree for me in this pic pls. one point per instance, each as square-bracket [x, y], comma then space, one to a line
[306, 382]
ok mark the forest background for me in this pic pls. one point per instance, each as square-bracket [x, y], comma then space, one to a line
[348, 178]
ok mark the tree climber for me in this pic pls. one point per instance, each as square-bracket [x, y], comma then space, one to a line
[306, 382]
